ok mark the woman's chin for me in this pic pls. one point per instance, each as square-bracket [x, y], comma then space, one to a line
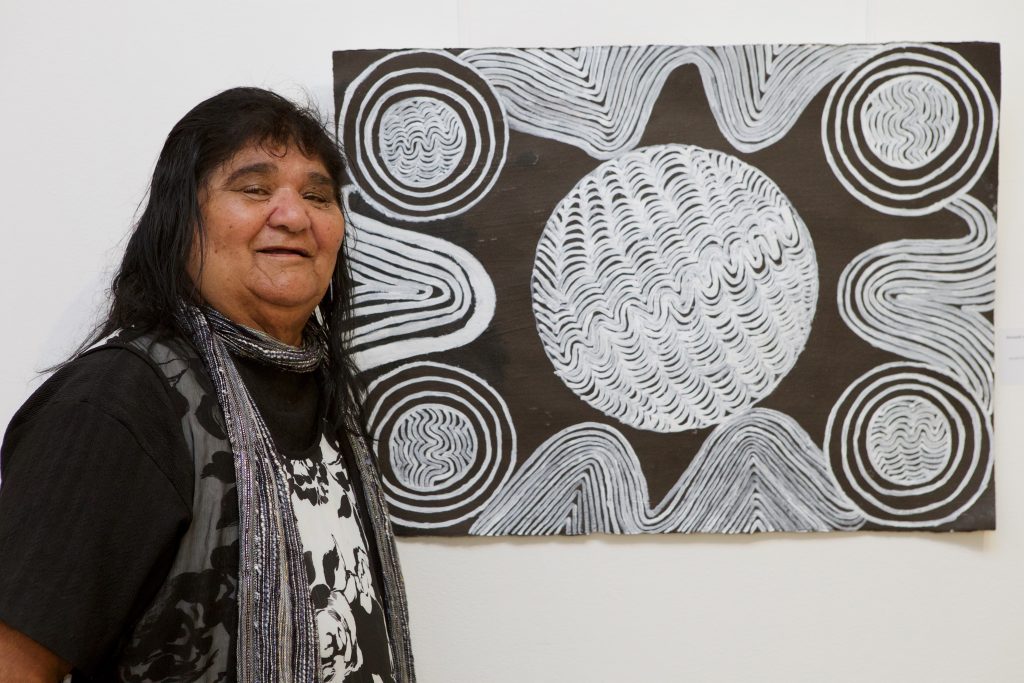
[289, 296]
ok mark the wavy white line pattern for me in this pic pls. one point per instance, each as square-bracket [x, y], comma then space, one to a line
[596, 98]
[444, 442]
[929, 469]
[758, 471]
[413, 294]
[600, 98]
[925, 299]
[912, 119]
[757, 92]
[431, 445]
[890, 134]
[908, 440]
[673, 287]
[425, 133]
[422, 140]
[584, 479]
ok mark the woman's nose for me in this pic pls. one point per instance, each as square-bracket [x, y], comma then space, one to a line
[289, 211]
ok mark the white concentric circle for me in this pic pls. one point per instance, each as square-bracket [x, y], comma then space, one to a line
[673, 287]
[909, 446]
[444, 442]
[425, 134]
[910, 129]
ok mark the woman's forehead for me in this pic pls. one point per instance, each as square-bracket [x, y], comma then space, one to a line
[271, 153]
[270, 159]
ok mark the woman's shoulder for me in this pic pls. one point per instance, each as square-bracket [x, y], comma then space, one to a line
[119, 388]
[117, 376]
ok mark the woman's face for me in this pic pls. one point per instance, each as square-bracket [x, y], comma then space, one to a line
[273, 231]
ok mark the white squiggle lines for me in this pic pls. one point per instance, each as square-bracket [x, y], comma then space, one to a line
[910, 129]
[422, 140]
[431, 445]
[921, 469]
[426, 135]
[413, 293]
[584, 479]
[674, 286]
[444, 441]
[757, 92]
[600, 98]
[758, 471]
[912, 119]
[596, 98]
[908, 440]
[924, 299]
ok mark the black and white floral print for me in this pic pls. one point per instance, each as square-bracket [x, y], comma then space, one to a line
[350, 618]
[307, 479]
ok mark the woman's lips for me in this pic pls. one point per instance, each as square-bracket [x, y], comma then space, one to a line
[283, 251]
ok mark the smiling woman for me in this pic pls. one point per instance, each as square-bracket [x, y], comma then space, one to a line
[191, 497]
[273, 230]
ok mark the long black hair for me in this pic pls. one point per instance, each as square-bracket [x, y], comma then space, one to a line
[152, 278]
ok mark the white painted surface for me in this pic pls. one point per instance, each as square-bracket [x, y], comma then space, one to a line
[89, 91]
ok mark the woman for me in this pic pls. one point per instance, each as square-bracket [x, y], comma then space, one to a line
[191, 498]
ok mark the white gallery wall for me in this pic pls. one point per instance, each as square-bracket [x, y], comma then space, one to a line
[89, 90]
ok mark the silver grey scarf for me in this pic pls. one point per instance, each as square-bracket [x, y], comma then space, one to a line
[277, 637]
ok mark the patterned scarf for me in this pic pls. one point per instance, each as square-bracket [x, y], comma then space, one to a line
[277, 637]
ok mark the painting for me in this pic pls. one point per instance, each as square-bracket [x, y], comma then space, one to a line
[653, 289]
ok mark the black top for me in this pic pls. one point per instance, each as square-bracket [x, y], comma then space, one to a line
[288, 403]
[101, 437]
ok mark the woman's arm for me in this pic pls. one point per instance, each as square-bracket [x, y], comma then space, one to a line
[23, 660]
[89, 519]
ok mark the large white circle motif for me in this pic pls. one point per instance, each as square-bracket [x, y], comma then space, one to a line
[673, 287]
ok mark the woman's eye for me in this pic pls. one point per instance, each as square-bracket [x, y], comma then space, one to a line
[318, 198]
[255, 191]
